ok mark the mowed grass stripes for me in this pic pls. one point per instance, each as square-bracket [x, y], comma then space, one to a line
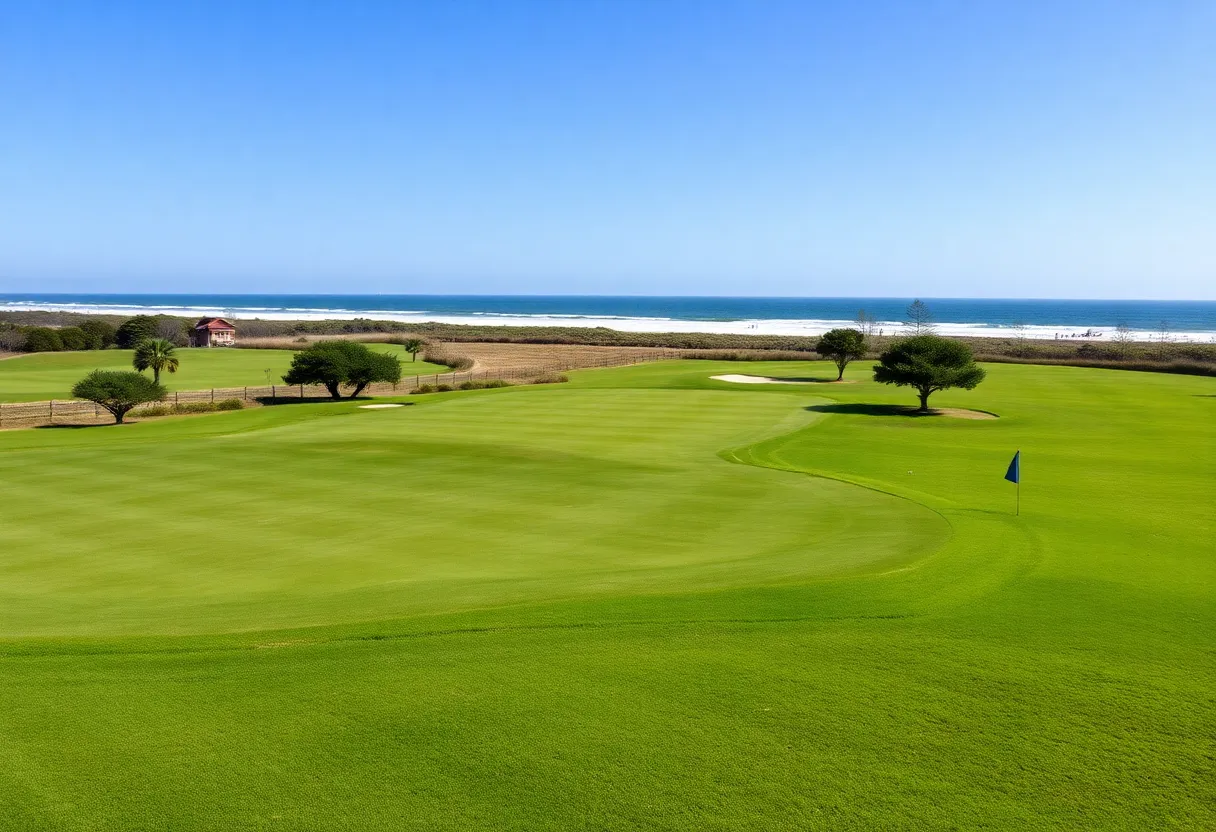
[620, 603]
[356, 515]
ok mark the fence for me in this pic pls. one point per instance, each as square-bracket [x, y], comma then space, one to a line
[76, 412]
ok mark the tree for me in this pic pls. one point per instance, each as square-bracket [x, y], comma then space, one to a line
[1019, 336]
[1123, 338]
[42, 339]
[134, 330]
[172, 330]
[118, 391]
[928, 363]
[374, 367]
[11, 338]
[335, 364]
[919, 319]
[156, 354]
[99, 332]
[842, 346]
[74, 338]
[414, 346]
[1164, 339]
[866, 323]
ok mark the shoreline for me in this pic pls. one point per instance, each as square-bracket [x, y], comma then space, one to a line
[641, 325]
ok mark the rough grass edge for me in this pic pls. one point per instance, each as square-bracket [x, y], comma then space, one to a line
[183, 408]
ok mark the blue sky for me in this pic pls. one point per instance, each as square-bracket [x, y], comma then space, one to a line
[1019, 149]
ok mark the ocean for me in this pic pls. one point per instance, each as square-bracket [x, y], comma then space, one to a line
[1185, 320]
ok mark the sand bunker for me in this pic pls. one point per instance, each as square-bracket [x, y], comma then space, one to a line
[738, 378]
[961, 413]
[378, 406]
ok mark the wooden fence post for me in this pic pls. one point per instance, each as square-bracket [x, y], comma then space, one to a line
[52, 411]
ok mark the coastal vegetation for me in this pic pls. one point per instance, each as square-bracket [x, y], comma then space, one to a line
[643, 599]
[927, 364]
[338, 364]
[156, 354]
[133, 330]
[842, 346]
[118, 392]
[44, 376]
[918, 319]
[413, 346]
[1163, 353]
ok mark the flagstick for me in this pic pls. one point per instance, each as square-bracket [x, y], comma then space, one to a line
[1017, 512]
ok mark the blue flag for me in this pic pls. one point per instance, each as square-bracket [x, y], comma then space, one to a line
[1014, 474]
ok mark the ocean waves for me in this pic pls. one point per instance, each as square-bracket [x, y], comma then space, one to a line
[754, 316]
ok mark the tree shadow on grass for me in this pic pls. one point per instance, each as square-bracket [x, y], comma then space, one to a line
[78, 427]
[860, 409]
[268, 401]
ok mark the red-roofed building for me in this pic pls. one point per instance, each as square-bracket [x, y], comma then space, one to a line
[213, 332]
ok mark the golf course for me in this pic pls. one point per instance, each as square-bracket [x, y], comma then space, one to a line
[50, 375]
[644, 599]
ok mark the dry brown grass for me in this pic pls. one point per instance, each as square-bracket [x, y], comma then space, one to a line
[498, 357]
[295, 342]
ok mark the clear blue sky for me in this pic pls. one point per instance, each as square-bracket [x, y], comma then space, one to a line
[1032, 149]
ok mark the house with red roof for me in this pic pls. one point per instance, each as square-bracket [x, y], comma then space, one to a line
[213, 332]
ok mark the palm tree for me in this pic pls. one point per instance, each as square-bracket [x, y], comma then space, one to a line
[156, 353]
[414, 346]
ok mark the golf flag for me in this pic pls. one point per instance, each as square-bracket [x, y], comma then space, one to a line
[1014, 474]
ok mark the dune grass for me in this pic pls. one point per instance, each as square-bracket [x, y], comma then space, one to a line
[50, 375]
[619, 603]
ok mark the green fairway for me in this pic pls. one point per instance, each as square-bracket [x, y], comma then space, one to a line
[641, 600]
[50, 375]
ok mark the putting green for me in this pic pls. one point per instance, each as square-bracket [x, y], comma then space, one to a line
[50, 375]
[619, 603]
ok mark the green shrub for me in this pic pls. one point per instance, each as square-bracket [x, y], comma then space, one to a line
[443, 388]
[74, 338]
[423, 388]
[486, 384]
[43, 339]
[554, 378]
[99, 333]
[183, 408]
[134, 330]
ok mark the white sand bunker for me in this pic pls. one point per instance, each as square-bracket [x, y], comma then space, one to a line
[378, 406]
[738, 378]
